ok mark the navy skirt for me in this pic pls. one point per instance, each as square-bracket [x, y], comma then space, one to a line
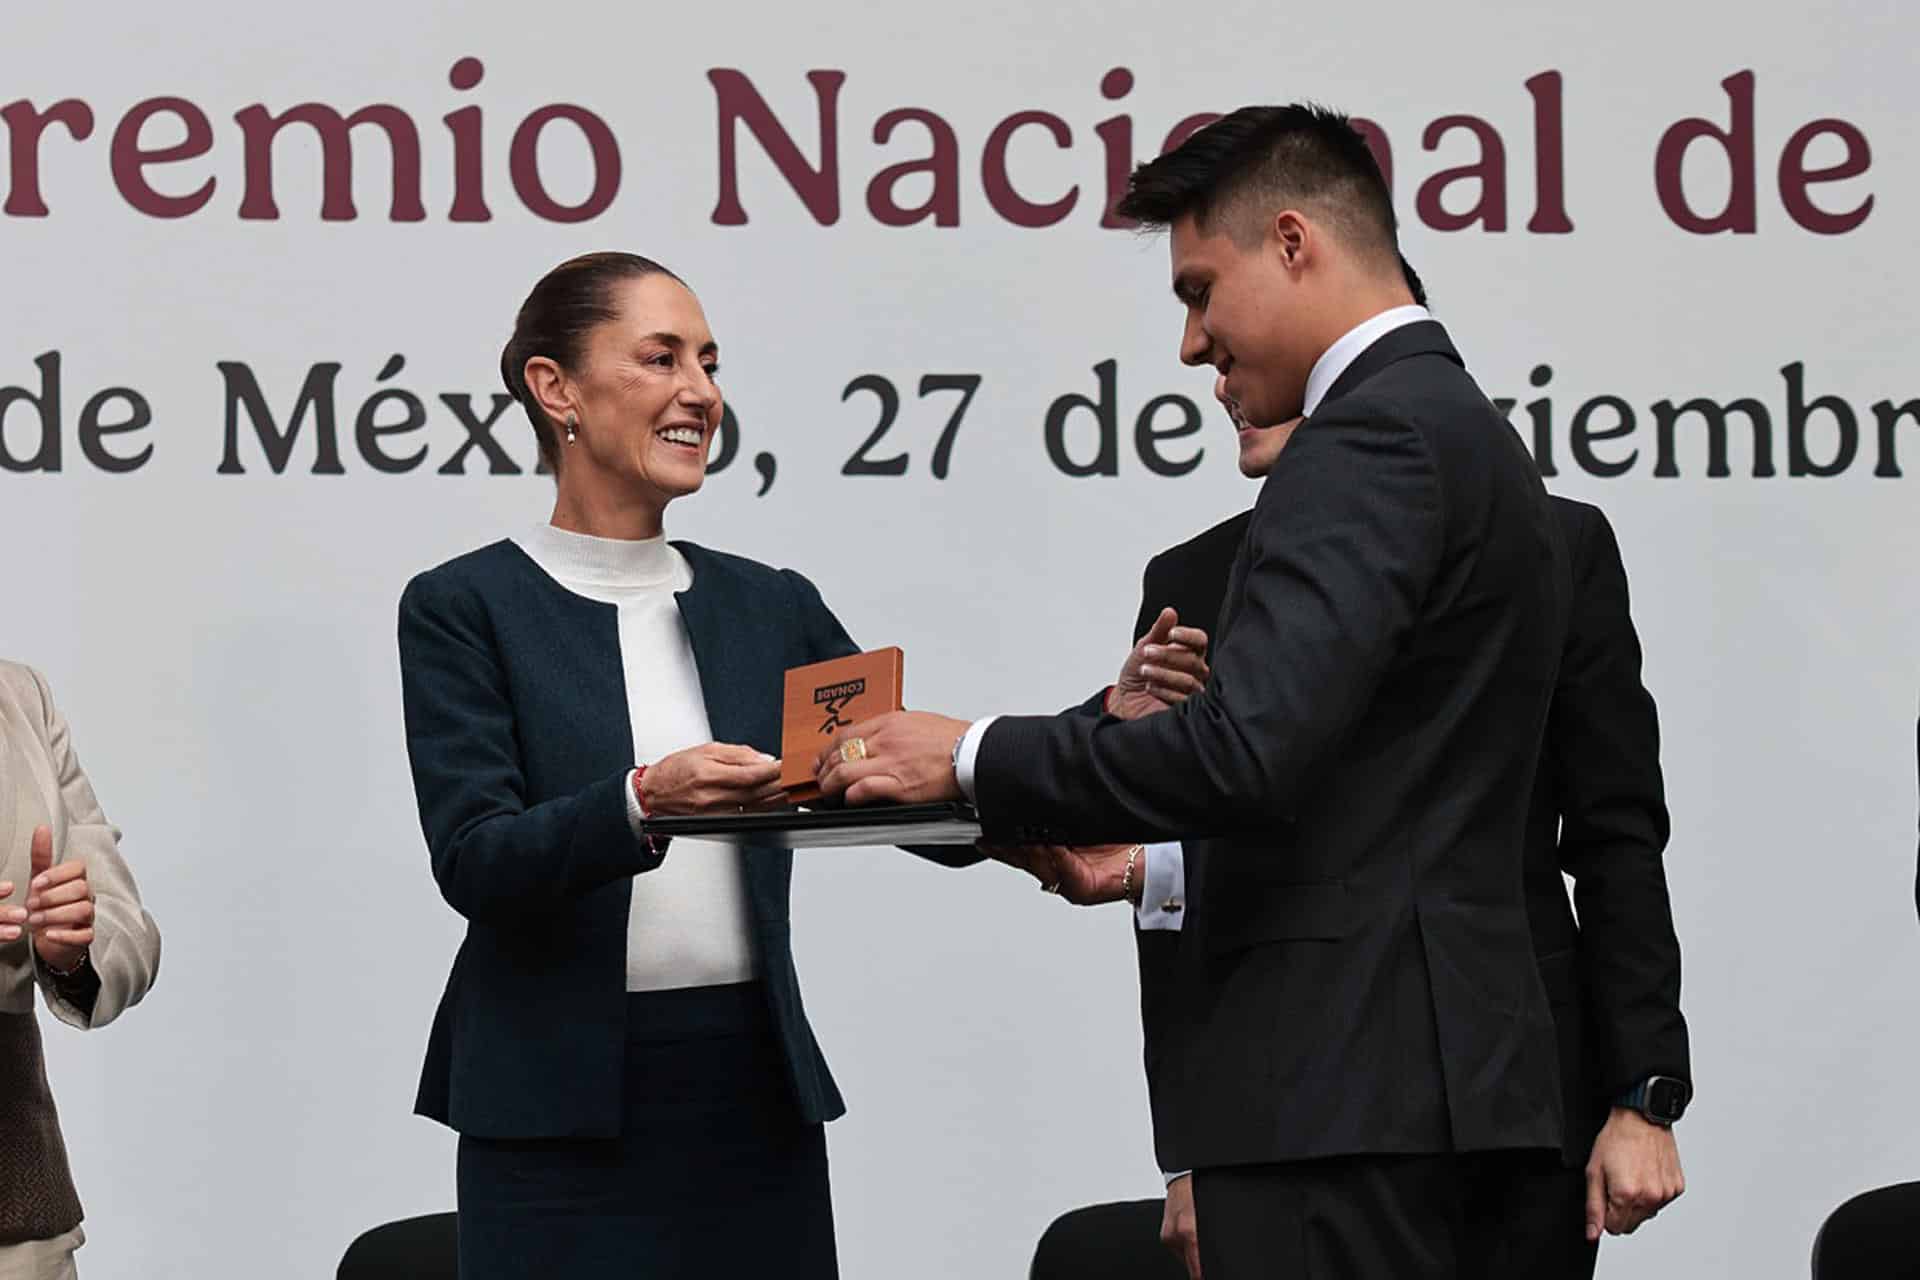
[714, 1172]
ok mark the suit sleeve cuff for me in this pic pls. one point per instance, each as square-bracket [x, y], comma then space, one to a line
[1163, 888]
[70, 998]
[963, 761]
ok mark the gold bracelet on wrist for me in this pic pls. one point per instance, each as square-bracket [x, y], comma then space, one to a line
[1126, 877]
[74, 972]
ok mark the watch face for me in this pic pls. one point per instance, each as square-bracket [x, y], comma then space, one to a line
[1666, 1098]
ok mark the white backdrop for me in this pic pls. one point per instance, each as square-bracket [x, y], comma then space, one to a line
[224, 642]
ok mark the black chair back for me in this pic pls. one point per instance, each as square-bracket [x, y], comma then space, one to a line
[1874, 1236]
[1107, 1242]
[411, 1249]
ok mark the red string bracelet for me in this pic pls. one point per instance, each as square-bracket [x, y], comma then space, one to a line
[640, 798]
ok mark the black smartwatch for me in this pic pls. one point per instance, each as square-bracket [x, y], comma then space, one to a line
[1661, 1099]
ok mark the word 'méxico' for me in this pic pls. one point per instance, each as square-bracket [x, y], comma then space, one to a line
[377, 424]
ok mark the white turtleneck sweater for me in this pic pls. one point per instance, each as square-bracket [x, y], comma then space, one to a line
[688, 925]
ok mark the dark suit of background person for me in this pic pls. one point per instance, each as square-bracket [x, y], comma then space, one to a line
[518, 731]
[1598, 814]
[1368, 1032]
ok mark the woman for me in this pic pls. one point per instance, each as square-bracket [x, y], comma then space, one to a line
[71, 924]
[621, 1045]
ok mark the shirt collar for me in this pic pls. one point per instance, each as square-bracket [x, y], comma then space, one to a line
[580, 559]
[1347, 348]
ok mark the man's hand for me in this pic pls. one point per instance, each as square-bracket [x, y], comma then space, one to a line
[1167, 666]
[903, 757]
[1633, 1174]
[1085, 876]
[1177, 1229]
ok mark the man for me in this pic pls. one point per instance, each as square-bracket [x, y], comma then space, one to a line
[1598, 815]
[1372, 1073]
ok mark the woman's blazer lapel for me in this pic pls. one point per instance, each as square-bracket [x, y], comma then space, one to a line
[741, 652]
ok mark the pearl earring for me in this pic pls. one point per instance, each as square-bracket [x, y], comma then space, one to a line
[572, 425]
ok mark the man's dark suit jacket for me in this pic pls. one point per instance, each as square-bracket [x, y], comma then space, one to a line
[1363, 755]
[1599, 814]
[517, 731]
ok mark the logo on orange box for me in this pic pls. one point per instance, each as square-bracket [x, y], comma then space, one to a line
[835, 697]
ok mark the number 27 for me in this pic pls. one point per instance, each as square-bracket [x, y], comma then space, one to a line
[862, 465]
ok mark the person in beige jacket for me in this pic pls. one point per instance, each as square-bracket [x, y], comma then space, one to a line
[72, 925]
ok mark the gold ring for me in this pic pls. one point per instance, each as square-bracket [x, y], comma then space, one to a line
[853, 749]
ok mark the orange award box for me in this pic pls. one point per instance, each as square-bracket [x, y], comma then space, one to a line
[826, 697]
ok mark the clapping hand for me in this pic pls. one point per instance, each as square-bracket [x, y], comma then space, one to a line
[12, 919]
[1167, 666]
[59, 910]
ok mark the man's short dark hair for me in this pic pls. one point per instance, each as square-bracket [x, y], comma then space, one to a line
[1269, 158]
[1412, 277]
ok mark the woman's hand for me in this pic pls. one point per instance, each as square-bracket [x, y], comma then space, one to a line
[59, 907]
[714, 777]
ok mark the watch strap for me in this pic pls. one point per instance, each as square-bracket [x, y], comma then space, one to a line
[1638, 1097]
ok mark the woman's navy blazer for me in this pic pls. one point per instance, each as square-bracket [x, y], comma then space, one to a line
[520, 744]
